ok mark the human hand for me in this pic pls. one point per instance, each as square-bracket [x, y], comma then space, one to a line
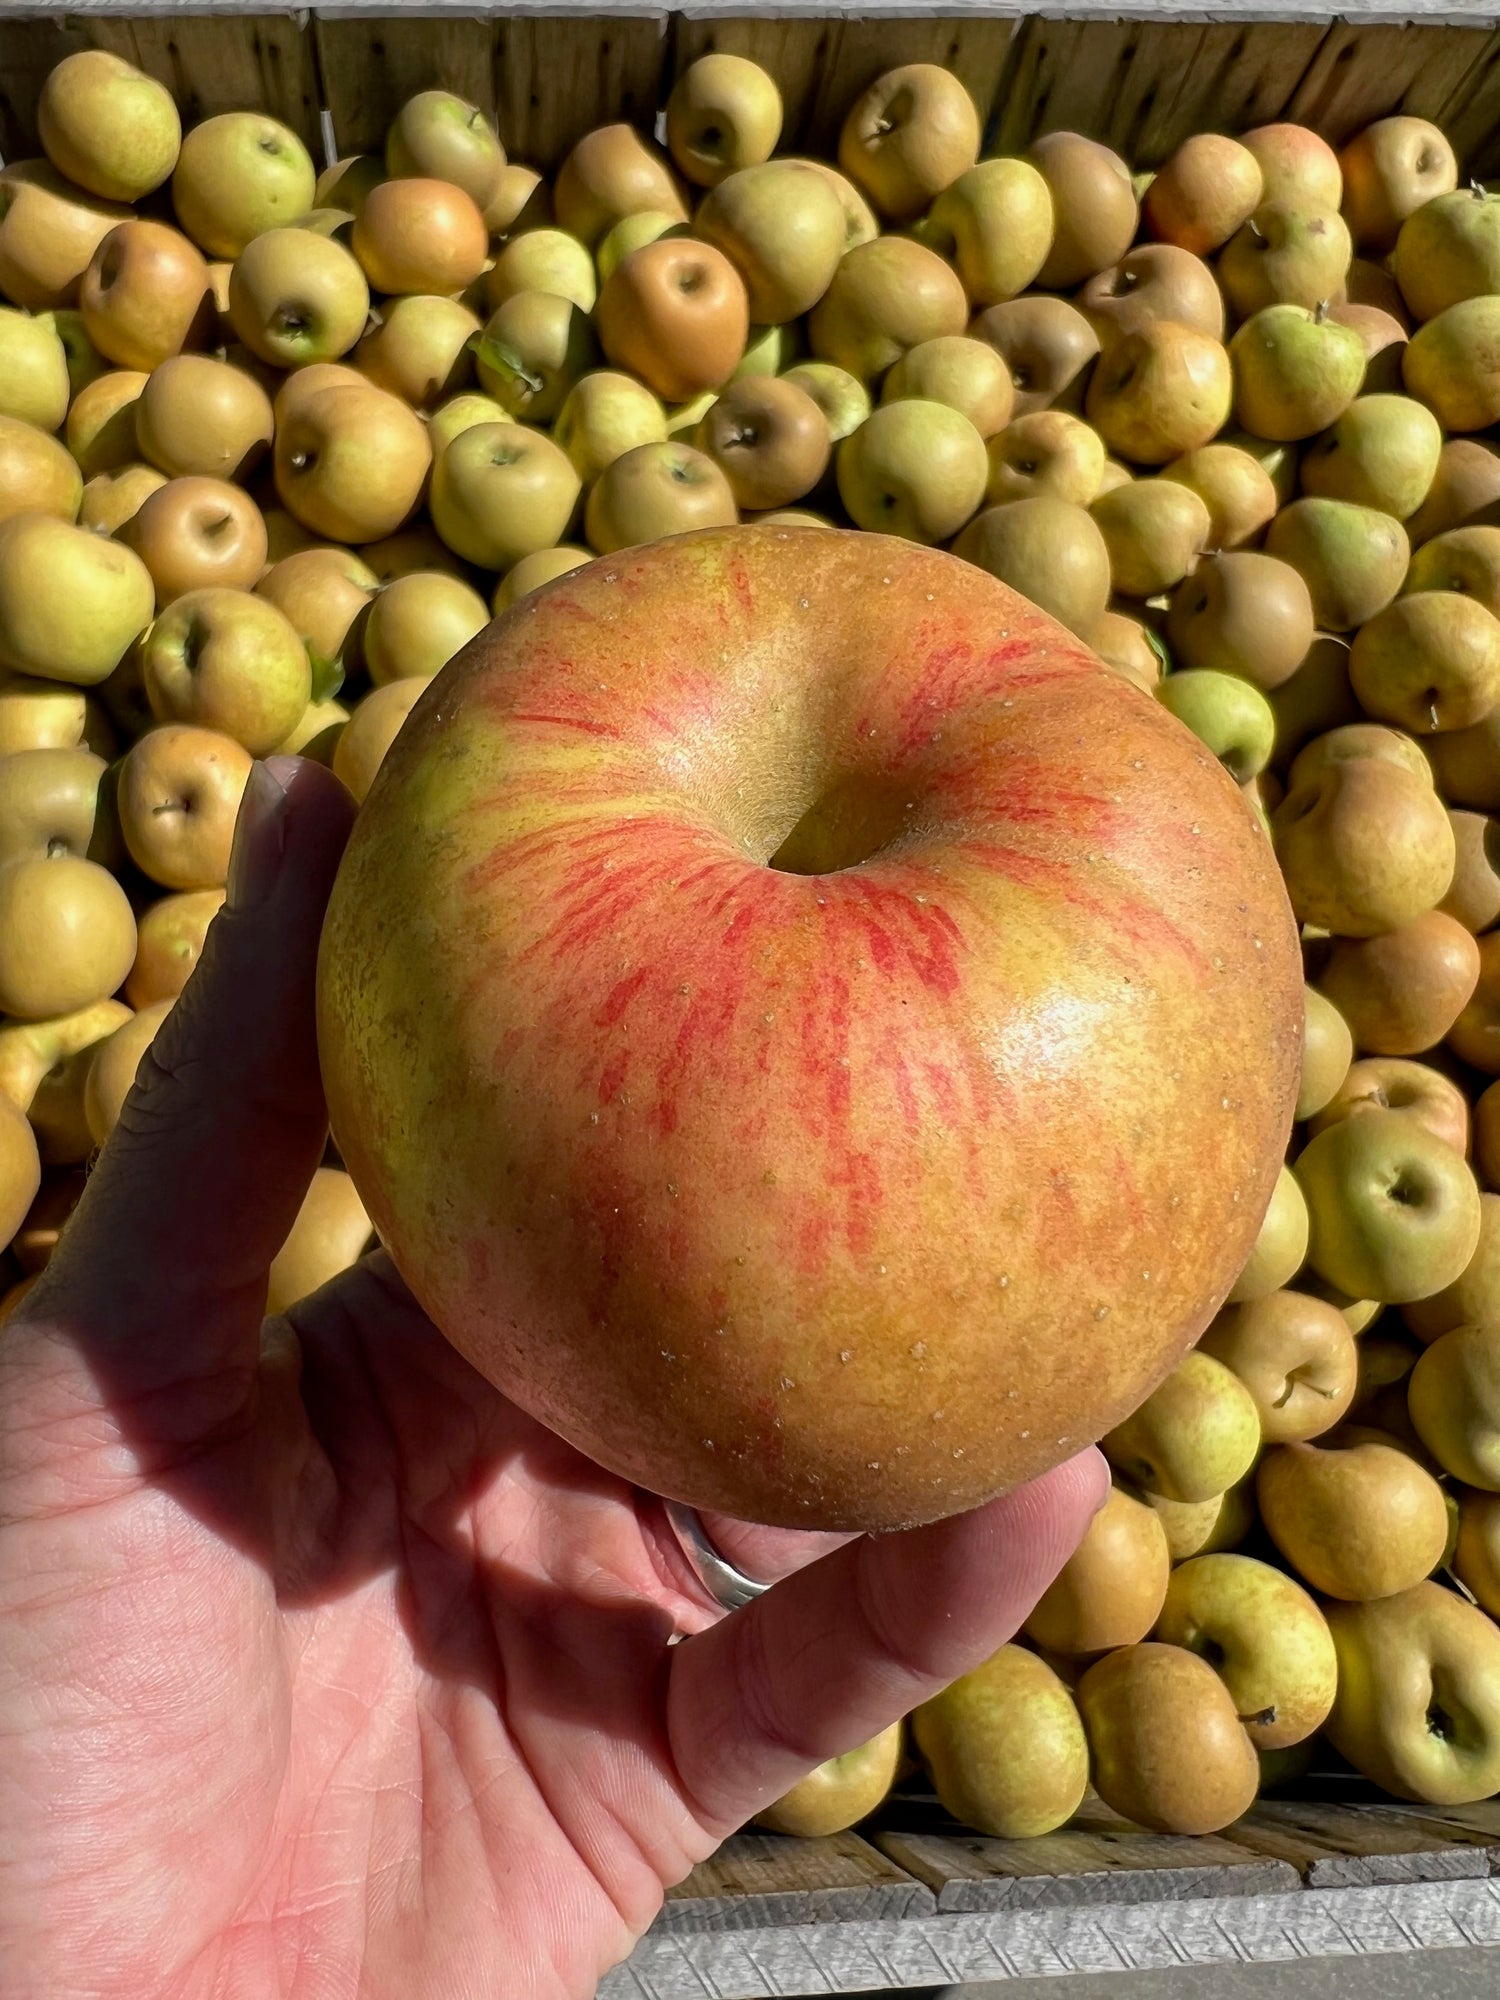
[324, 1670]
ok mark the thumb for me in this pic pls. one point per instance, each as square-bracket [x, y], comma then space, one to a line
[164, 1263]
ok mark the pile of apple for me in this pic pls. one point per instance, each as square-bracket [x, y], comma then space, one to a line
[273, 445]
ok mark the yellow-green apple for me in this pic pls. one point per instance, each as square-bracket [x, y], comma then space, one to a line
[1006, 1747]
[1383, 338]
[1295, 371]
[1125, 644]
[769, 439]
[70, 602]
[67, 935]
[1365, 847]
[1352, 558]
[20, 1168]
[1327, 1052]
[909, 136]
[531, 572]
[316, 733]
[296, 297]
[1154, 281]
[1454, 1400]
[1466, 485]
[994, 223]
[238, 175]
[38, 475]
[1094, 210]
[1047, 344]
[1392, 168]
[1201, 1527]
[1453, 364]
[418, 622]
[1285, 255]
[675, 313]
[1280, 1249]
[420, 349]
[821, 1467]
[1401, 992]
[370, 732]
[782, 228]
[604, 415]
[655, 490]
[1169, 1750]
[631, 232]
[194, 533]
[1297, 166]
[1264, 1637]
[346, 183]
[1046, 451]
[1296, 1356]
[1243, 613]
[885, 297]
[1476, 1557]
[1394, 1212]
[724, 114]
[112, 1073]
[180, 790]
[1203, 193]
[43, 714]
[1462, 559]
[1448, 250]
[299, 388]
[1473, 1299]
[501, 491]
[191, 414]
[1227, 714]
[1160, 391]
[839, 1792]
[610, 173]
[1474, 896]
[533, 349]
[461, 413]
[49, 231]
[1050, 551]
[145, 294]
[1354, 1519]
[522, 201]
[351, 463]
[1381, 452]
[418, 547]
[107, 126]
[1110, 1590]
[543, 260]
[1155, 531]
[1194, 1436]
[55, 801]
[101, 431]
[1466, 764]
[325, 593]
[169, 942]
[842, 397]
[968, 376]
[913, 469]
[420, 236]
[1418, 1703]
[439, 136]
[34, 384]
[331, 1232]
[1428, 662]
[230, 661]
[43, 1068]
[1388, 1083]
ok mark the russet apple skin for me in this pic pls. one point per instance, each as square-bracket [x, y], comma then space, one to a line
[943, 1247]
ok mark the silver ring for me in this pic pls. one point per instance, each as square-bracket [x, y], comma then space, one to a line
[724, 1583]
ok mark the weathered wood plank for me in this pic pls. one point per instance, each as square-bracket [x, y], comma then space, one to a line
[370, 68]
[1356, 1846]
[1019, 1943]
[28, 49]
[251, 62]
[1096, 1859]
[761, 1880]
[556, 79]
[1363, 73]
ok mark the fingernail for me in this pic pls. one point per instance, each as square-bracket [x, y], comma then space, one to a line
[259, 833]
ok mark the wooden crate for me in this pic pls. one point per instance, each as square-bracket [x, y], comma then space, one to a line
[912, 1901]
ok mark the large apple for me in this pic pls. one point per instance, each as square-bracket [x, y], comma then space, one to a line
[805, 1028]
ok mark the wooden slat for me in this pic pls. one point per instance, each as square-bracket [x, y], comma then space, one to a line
[1471, 115]
[1358, 1846]
[1143, 86]
[756, 1880]
[251, 62]
[28, 49]
[553, 84]
[1364, 73]
[860, 50]
[370, 68]
[1099, 1858]
[793, 52]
